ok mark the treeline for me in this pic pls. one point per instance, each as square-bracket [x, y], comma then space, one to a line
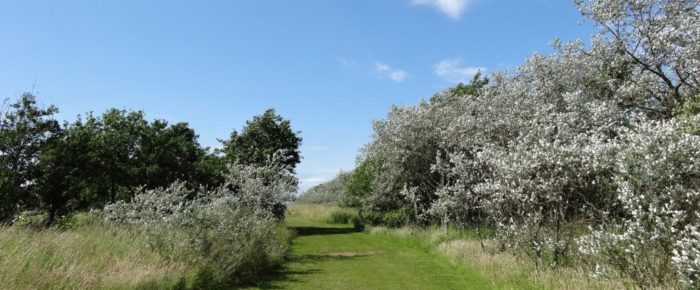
[331, 192]
[59, 168]
[589, 156]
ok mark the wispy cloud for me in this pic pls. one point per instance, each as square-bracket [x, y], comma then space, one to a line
[452, 8]
[385, 70]
[451, 70]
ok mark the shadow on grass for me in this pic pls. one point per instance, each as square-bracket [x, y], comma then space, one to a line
[286, 275]
[320, 231]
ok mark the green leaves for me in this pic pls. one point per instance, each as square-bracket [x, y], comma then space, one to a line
[25, 130]
[261, 138]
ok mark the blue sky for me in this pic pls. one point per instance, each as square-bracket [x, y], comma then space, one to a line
[330, 66]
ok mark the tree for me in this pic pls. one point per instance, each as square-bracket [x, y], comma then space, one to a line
[359, 184]
[123, 151]
[261, 138]
[63, 168]
[166, 154]
[660, 37]
[473, 89]
[25, 129]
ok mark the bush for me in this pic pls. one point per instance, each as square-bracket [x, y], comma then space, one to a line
[657, 242]
[357, 223]
[232, 234]
[78, 220]
[340, 217]
[30, 219]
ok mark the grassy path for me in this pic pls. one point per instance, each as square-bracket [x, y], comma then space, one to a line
[336, 257]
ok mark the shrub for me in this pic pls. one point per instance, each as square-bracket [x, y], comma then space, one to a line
[340, 217]
[30, 219]
[657, 178]
[357, 223]
[78, 220]
[232, 234]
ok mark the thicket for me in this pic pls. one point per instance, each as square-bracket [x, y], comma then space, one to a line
[586, 155]
[215, 213]
[96, 160]
[231, 233]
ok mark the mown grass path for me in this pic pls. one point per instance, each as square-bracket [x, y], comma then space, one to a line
[336, 257]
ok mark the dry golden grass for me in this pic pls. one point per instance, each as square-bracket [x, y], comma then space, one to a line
[86, 258]
[514, 270]
[316, 212]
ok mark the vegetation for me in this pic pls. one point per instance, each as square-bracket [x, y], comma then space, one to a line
[261, 138]
[582, 159]
[99, 160]
[164, 212]
[326, 256]
[85, 258]
[577, 170]
[335, 256]
[332, 192]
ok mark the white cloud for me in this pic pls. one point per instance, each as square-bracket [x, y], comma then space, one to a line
[385, 70]
[452, 8]
[451, 70]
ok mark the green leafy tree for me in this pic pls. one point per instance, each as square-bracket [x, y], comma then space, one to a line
[167, 153]
[64, 169]
[261, 138]
[474, 88]
[25, 129]
[123, 151]
[359, 184]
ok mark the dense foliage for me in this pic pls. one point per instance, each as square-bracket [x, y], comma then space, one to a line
[601, 136]
[97, 160]
[230, 232]
[262, 137]
[217, 212]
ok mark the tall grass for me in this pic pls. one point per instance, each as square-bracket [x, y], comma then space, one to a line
[330, 214]
[91, 257]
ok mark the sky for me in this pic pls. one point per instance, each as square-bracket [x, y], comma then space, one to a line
[329, 66]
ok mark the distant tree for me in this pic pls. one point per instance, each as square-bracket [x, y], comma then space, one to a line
[261, 138]
[25, 129]
[331, 192]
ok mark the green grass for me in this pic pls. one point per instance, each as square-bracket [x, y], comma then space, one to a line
[332, 256]
[328, 256]
[324, 255]
[503, 270]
